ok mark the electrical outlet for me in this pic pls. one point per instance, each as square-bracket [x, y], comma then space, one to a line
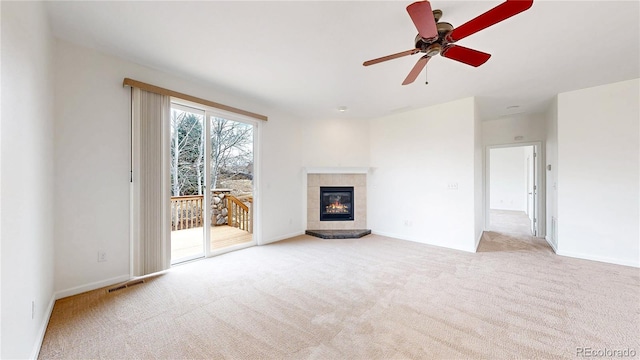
[102, 256]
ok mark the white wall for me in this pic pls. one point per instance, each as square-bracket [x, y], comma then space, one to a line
[552, 174]
[507, 173]
[503, 130]
[281, 178]
[27, 182]
[414, 157]
[336, 142]
[92, 152]
[598, 173]
[92, 162]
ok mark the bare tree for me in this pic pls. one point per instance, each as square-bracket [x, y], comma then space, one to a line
[186, 153]
[231, 151]
[232, 146]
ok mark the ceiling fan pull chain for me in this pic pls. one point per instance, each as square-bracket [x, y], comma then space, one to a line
[426, 76]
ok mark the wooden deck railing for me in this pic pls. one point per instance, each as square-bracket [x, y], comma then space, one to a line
[239, 213]
[186, 212]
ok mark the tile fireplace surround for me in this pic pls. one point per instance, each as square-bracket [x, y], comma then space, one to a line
[356, 177]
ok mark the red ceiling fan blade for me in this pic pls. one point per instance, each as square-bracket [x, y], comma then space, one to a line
[390, 57]
[422, 18]
[465, 55]
[417, 68]
[499, 13]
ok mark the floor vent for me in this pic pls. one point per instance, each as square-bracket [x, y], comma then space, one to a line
[135, 282]
[117, 288]
[124, 286]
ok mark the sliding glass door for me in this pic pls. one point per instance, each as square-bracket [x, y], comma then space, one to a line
[212, 183]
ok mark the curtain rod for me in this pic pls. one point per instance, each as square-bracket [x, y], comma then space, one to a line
[163, 91]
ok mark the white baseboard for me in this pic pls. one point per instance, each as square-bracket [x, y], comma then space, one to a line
[553, 246]
[282, 237]
[400, 237]
[598, 258]
[43, 329]
[91, 286]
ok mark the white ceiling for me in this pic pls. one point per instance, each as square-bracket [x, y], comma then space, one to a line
[306, 57]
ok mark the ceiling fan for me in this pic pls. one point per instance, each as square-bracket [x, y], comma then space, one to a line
[436, 37]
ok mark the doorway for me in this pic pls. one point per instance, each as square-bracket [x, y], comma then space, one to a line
[513, 184]
[212, 182]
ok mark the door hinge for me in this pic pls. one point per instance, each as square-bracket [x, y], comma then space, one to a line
[535, 154]
[535, 220]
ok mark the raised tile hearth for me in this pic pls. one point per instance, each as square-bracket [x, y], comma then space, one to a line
[338, 234]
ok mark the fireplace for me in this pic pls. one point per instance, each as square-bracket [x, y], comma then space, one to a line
[336, 203]
[327, 178]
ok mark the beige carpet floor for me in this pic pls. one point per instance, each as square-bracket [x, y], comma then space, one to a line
[368, 298]
[511, 222]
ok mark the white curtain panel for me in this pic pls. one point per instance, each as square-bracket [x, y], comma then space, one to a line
[150, 208]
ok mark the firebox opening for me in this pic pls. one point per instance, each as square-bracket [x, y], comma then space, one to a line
[336, 203]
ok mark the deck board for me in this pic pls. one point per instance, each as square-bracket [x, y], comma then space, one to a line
[189, 242]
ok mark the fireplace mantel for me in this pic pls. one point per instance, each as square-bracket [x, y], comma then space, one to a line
[336, 170]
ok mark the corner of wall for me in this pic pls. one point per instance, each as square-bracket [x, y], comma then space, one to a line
[0, 181]
[43, 328]
[479, 195]
[27, 232]
[478, 239]
[550, 169]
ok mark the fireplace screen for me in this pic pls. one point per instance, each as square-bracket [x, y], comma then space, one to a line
[336, 203]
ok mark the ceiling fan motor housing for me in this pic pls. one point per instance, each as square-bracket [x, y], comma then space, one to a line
[433, 49]
[434, 46]
[443, 29]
